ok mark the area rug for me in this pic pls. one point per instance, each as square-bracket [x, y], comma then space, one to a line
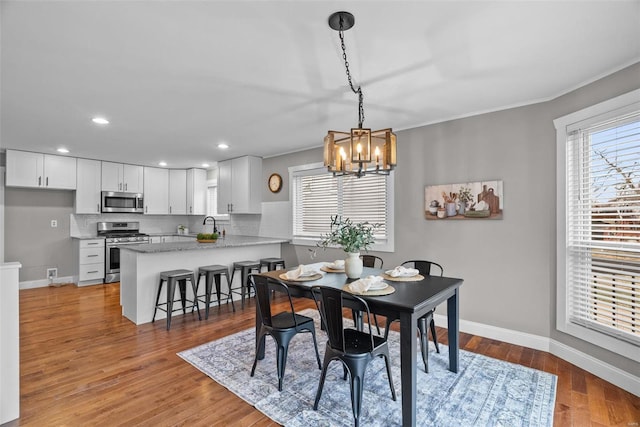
[485, 391]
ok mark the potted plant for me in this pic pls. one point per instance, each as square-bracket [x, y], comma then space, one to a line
[352, 238]
[464, 196]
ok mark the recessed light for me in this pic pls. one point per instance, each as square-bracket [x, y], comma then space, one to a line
[162, 163]
[205, 165]
[100, 121]
[223, 146]
[62, 150]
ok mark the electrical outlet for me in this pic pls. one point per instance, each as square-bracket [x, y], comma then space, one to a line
[52, 273]
[54, 223]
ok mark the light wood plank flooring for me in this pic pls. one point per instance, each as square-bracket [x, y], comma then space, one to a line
[82, 364]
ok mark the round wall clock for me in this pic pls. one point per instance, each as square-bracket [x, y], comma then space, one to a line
[275, 182]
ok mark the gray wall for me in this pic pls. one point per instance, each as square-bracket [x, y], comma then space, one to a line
[508, 265]
[29, 237]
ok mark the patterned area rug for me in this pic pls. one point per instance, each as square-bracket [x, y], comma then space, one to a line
[485, 391]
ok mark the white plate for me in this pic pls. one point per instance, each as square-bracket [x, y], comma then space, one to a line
[378, 286]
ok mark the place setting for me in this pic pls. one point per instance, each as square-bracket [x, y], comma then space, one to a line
[402, 274]
[303, 273]
[369, 286]
[336, 266]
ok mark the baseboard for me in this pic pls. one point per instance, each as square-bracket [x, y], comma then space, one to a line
[616, 376]
[610, 373]
[43, 283]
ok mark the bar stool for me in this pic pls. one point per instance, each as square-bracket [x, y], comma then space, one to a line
[272, 263]
[171, 277]
[246, 268]
[211, 273]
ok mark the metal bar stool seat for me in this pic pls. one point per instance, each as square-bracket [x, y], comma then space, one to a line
[246, 268]
[171, 278]
[272, 263]
[212, 273]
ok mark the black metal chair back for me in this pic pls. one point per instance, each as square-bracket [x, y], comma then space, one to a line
[371, 261]
[424, 267]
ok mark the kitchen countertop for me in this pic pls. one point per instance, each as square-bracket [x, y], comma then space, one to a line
[227, 242]
[87, 237]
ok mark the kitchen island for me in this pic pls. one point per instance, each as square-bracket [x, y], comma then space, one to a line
[140, 267]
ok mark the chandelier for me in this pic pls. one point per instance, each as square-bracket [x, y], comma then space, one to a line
[360, 151]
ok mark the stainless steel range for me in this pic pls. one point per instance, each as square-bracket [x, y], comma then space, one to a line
[118, 234]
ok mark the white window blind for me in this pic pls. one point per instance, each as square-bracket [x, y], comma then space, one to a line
[317, 195]
[603, 227]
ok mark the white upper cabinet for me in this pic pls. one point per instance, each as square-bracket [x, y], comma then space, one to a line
[239, 185]
[36, 170]
[122, 177]
[196, 191]
[88, 187]
[177, 191]
[156, 191]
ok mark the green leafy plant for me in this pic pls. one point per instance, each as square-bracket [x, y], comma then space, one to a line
[206, 236]
[352, 237]
[464, 195]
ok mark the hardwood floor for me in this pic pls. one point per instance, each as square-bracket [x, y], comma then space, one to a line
[82, 363]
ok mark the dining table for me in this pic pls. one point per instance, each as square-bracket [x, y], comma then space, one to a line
[410, 300]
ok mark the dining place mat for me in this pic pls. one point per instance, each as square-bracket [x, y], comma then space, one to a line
[386, 291]
[332, 270]
[313, 277]
[415, 278]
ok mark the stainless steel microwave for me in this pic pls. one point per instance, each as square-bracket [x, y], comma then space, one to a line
[113, 201]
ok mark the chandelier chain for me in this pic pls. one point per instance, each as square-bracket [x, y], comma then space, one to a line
[356, 91]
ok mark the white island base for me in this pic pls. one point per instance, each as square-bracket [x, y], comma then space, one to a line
[140, 267]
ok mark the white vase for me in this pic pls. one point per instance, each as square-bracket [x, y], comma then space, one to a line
[353, 265]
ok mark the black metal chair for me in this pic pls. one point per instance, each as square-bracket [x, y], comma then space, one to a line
[353, 348]
[424, 267]
[371, 261]
[282, 326]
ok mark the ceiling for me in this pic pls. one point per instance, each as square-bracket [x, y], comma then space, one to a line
[175, 78]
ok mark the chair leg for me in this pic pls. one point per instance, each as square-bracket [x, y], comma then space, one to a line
[194, 288]
[424, 342]
[393, 389]
[432, 325]
[315, 345]
[356, 395]
[229, 293]
[325, 365]
[258, 351]
[281, 360]
[171, 290]
[182, 285]
[157, 301]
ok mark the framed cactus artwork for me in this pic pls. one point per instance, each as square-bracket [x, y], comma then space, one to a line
[467, 200]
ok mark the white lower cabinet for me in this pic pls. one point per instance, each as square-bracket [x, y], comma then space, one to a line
[90, 262]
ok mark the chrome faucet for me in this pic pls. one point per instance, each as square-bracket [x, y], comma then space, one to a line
[215, 229]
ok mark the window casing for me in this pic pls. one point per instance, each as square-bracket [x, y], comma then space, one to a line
[598, 290]
[317, 195]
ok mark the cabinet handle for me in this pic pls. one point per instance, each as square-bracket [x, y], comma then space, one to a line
[169, 209]
[91, 256]
[190, 209]
[88, 244]
[120, 186]
[98, 208]
[146, 209]
[39, 181]
[94, 271]
[47, 181]
[125, 186]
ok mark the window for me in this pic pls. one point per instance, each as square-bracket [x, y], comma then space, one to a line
[212, 200]
[599, 224]
[317, 195]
